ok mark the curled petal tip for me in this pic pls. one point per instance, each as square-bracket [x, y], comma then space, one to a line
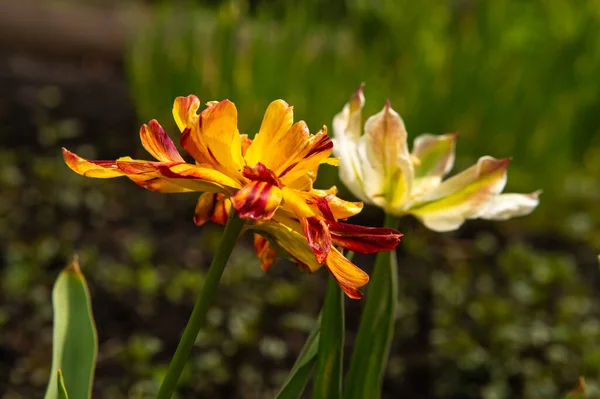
[535, 194]
[359, 91]
[388, 105]
[358, 99]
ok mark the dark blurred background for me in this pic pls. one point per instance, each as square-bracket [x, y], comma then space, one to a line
[495, 310]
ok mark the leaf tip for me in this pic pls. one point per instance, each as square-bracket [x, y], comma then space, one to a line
[74, 267]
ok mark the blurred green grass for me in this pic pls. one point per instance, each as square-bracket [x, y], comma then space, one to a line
[516, 79]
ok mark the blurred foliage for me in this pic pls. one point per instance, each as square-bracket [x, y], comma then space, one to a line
[515, 79]
[495, 310]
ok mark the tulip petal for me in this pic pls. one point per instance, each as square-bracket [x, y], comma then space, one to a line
[223, 209]
[307, 158]
[218, 129]
[462, 196]
[290, 241]
[153, 183]
[204, 208]
[340, 208]
[298, 152]
[185, 111]
[97, 169]
[387, 150]
[364, 240]
[435, 155]
[295, 201]
[347, 274]
[212, 136]
[276, 123]
[192, 177]
[347, 124]
[257, 200]
[264, 251]
[261, 173]
[506, 206]
[158, 143]
[346, 133]
[318, 236]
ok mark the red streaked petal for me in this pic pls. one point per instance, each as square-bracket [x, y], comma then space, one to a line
[364, 240]
[223, 209]
[261, 173]
[158, 143]
[204, 208]
[257, 200]
[154, 183]
[97, 169]
[137, 167]
[317, 234]
[264, 251]
[347, 274]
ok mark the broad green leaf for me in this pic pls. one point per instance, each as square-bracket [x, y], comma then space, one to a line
[328, 373]
[294, 385]
[376, 329]
[75, 343]
[60, 382]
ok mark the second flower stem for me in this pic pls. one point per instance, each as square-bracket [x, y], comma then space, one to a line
[211, 282]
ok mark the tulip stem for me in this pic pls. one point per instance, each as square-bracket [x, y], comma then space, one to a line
[376, 329]
[209, 287]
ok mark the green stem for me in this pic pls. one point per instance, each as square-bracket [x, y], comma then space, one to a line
[328, 371]
[376, 329]
[209, 288]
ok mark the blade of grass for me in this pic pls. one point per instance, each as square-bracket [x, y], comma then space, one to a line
[300, 374]
[75, 343]
[328, 372]
[376, 329]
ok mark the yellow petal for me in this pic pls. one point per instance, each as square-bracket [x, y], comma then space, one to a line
[217, 129]
[204, 208]
[184, 111]
[348, 275]
[212, 137]
[97, 169]
[296, 203]
[158, 143]
[199, 178]
[290, 241]
[305, 159]
[154, 183]
[277, 121]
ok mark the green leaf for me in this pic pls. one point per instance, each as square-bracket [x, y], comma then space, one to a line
[60, 382]
[376, 329]
[75, 343]
[294, 385]
[328, 373]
